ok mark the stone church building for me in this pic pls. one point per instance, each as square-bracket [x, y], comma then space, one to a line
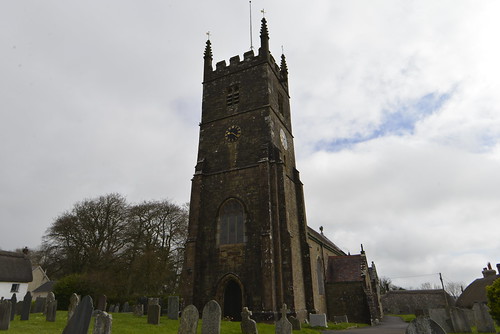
[248, 240]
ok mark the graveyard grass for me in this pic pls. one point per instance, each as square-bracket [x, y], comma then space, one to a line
[126, 323]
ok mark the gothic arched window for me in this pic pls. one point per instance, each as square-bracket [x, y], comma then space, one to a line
[231, 223]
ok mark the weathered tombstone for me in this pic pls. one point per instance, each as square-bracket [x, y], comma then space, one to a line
[173, 307]
[25, 312]
[102, 302]
[318, 320]
[117, 308]
[102, 323]
[296, 325]
[340, 318]
[111, 308]
[5, 313]
[51, 308]
[40, 303]
[441, 316]
[126, 307]
[144, 301]
[211, 316]
[154, 311]
[80, 321]
[283, 326]
[424, 325]
[19, 307]
[248, 326]
[74, 300]
[459, 321]
[484, 322]
[13, 302]
[189, 320]
[139, 310]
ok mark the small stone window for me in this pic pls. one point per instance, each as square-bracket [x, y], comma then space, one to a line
[233, 96]
[15, 287]
[231, 223]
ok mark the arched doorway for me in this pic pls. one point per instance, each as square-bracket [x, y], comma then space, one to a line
[232, 300]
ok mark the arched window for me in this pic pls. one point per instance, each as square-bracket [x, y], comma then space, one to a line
[231, 223]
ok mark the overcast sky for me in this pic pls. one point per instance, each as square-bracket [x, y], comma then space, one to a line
[395, 111]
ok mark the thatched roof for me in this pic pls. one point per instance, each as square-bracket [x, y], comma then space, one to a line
[15, 267]
[476, 292]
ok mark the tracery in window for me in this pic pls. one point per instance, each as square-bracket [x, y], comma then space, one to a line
[231, 223]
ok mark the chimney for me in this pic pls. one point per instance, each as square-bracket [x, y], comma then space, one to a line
[488, 272]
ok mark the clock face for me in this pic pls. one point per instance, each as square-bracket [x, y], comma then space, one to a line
[283, 139]
[232, 133]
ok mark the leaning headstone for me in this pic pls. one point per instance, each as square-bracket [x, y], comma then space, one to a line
[173, 307]
[318, 320]
[441, 316]
[25, 312]
[51, 307]
[283, 326]
[424, 325]
[13, 302]
[139, 310]
[340, 318]
[154, 311]
[459, 321]
[484, 322]
[248, 326]
[5, 312]
[102, 302]
[126, 307]
[296, 325]
[102, 323]
[80, 321]
[74, 300]
[189, 320]
[211, 316]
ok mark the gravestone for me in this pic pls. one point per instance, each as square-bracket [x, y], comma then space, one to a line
[248, 326]
[144, 301]
[340, 318]
[80, 321]
[139, 310]
[51, 308]
[40, 303]
[296, 325]
[173, 307]
[424, 325]
[25, 312]
[111, 308]
[283, 326]
[459, 321]
[484, 322]
[211, 316]
[126, 307]
[102, 302]
[13, 302]
[189, 320]
[117, 308]
[5, 313]
[102, 323]
[74, 300]
[318, 320]
[19, 307]
[442, 317]
[154, 311]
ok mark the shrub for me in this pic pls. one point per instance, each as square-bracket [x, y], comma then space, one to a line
[493, 293]
[68, 285]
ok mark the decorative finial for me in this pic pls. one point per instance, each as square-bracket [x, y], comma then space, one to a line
[208, 50]
[208, 35]
[321, 227]
[263, 13]
[264, 39]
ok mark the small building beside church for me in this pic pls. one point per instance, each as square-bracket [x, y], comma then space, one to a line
[248, 239]
[15, 274]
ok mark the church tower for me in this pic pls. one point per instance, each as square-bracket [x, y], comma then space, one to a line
[247, 242]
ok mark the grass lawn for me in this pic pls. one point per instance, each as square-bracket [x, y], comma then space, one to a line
[126, 323]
